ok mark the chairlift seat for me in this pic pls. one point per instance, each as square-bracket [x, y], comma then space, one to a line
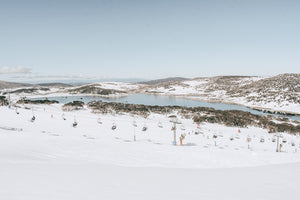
[75, 124]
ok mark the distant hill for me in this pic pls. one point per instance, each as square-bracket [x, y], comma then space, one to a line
[54, 85]
[12, 85]
[157, 81]
[277, 93]
[6, 85]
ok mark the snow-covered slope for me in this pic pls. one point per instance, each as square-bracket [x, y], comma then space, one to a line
[49, 159]
[120, 86]
[278, 93]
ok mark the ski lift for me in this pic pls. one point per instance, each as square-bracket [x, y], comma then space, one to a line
[145, 128]
[160, 125]
[197, 132]
[75, 124]
[63, 116]
[293, 143]
[114, 126]
[33, 118]
[220, 134]
[99, 120]
[134, 123]
[182, 127]
[284, 140]
[262, 140]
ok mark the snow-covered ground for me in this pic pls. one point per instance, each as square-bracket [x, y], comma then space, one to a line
[215, 89]
[205, 89]
[49, 159]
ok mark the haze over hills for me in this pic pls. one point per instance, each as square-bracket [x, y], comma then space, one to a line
[11, 85]
[5, 84]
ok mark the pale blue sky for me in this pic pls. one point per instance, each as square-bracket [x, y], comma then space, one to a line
[150, 39]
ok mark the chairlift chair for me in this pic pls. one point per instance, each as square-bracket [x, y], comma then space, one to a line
[182, 127]
[284, 140]
[134, 123]
[145, 128]
[99, 121]
[293, 143]
[75, 124]
[33, 118]
[114, 126]
[160, 125]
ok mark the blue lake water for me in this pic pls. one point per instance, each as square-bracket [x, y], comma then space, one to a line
[161, 100]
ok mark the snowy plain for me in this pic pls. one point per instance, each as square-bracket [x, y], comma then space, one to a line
[50, 159]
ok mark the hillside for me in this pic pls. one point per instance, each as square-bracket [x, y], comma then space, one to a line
[60, 85]
[6, 85]
[164, 80]
[278, 93]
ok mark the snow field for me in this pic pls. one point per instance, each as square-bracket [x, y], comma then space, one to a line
[49, 159]
[94, 142]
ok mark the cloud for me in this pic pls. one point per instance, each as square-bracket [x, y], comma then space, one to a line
[62, 77]
[15, 70]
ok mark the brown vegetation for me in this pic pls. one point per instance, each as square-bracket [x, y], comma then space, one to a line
[74, 105]
[3, 101]
[27, 101]
[233, 118]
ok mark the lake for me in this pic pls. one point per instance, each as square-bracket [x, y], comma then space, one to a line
[160, 100]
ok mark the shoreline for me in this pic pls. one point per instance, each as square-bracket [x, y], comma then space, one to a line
[262, 109]
[189, 97]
